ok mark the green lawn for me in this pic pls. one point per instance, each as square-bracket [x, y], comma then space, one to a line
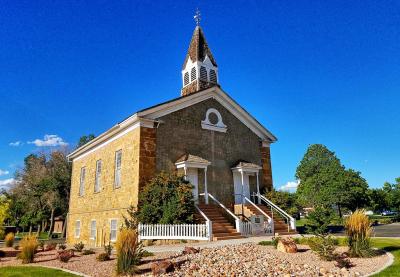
[32, 271]
[301, 222]
[393, 246]
[42, 235]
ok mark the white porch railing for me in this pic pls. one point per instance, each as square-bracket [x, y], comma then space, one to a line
[250, 229]
[237, 219]
[174, 231]
[268, 222]
[291, 222]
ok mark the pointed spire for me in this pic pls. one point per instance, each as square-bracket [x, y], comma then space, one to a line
[198, 48]
[199, 70]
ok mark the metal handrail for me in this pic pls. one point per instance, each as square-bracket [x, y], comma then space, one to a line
[208, 222]
[237, 220]
[258, 208]
[290, 219]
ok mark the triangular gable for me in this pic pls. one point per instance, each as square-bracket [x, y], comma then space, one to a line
[219, 95]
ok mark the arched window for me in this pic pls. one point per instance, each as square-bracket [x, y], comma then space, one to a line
[203, 73]
[186, 79]
[193, 74]
[213, 76]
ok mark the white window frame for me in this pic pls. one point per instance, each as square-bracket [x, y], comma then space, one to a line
[117, 170]
[93, 237]
[82, 181]
[97, 180]
[78, 230]
[115, 230]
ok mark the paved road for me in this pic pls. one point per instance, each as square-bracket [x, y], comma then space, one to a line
[387, 230]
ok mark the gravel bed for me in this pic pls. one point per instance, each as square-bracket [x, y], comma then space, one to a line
[235, 260]
[256, 260]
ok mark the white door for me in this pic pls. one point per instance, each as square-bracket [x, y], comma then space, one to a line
[237, 183]
[192, 176]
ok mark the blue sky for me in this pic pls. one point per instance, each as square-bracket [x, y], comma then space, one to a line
[310, 71]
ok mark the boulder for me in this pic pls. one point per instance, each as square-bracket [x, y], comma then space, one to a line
[190, 250]
[162, 267]
[287, 245]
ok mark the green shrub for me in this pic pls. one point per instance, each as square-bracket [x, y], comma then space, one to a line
[108, 249]
[323, 246]
[146, 253]
[275, 241]
[41, 244]
[88, 252]
[9, 240]
[79, 246]
[166, 199]
[266, 242]
[29, 245]
[385, 221]
[129, 251]
[102, 257]
[358, 231]
[319, 220]
[62, 246]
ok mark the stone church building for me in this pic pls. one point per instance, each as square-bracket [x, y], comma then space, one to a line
[204, 133]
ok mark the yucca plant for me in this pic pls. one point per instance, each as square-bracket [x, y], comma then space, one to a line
[29, 245]
[358, 231]
[9, 239]
[129, 251]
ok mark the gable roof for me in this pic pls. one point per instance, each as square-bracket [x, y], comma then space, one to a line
[219, 95]
[147, 118]
[198, 48]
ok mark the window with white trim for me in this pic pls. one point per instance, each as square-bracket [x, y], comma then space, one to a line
[213, 76]
[82, 182]
[203, 73]
[193, 74]
[93, 231]
[186, 79]
[77, 228]
[113, 229]
[97, 181]
[118, 161]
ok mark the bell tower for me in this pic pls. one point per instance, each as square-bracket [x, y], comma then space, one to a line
[200, 70]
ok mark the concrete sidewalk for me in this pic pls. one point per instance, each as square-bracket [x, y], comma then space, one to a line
[206, 244]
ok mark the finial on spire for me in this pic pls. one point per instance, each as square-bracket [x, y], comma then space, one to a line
[197, 17]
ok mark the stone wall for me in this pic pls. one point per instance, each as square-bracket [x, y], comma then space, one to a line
[110, 202]
[266, 167]
[180, 132]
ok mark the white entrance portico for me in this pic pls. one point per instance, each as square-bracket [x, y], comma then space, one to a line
[241, 173]
[191, 165]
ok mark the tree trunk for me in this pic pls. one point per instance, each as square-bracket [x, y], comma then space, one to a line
[51, 222]
[339, 210]
[64, 231]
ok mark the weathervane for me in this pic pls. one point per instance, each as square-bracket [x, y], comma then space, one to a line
[197, 17]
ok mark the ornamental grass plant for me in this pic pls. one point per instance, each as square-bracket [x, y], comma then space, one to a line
[358, 231]
[29, 245]
[9, 240]
[129, 251]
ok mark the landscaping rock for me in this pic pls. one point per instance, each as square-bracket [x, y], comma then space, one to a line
[287, 245]
[190, 250]
[162, 267]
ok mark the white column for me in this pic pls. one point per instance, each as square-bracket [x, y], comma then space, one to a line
[241, 172]
[185, 170]
[258, 189]
[205, 186]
